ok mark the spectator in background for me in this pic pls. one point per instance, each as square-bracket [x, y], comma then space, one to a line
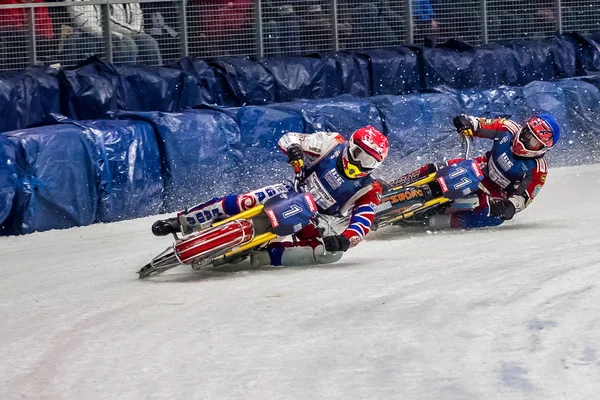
[315, 26]
[14, 33]
[220, 27]
[281, 28]
[130, 43]
[367, 23]
[425, 25]
[161, 21]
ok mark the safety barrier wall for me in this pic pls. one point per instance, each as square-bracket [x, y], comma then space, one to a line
[142, 163]
[77, 171]
[97, 88]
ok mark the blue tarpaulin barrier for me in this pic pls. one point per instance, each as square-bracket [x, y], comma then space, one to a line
[260, 130]
[246, 81]
[301, 78]
[209, 85]
[57, 179]
[96, 88]
[352, 72]
[8, 181]
[461, 66]
[144, 162]
[128, 167]
[393, 70]
[143, 88]
[200, 152]
[419, 128]
[28, 98]
[343, 114]
[90, 91]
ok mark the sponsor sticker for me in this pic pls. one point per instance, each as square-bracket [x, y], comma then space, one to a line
[443, 184]
[477, 169]
[333, 178]
[312, 206]
[406, 195]
[273, 218]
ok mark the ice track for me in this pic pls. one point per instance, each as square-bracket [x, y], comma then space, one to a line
[505, 313]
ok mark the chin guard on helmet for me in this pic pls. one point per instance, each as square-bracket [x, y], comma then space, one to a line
[366, 149]
[538, 135]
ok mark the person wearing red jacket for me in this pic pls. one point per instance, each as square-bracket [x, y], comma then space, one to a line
[16, 19]
[338, 175]
[14, 33]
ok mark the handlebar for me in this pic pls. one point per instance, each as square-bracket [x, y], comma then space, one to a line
[468, 142]
[298, 166]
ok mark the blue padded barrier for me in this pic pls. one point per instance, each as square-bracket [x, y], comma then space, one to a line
[580, 142]
[575, 103]
[8, 180]
[28, 98]
[143, 88]
[461, 66]
[588, 53]
[209, 85]
[95, 88]
[129, 167]
[393, 70]
[89, 91]
[246, 81]
[302, 78]
[352, 71]
[343, 114]
[419, 128]
[543, 60]
[260, 130]
[57, 186]
[200, 152]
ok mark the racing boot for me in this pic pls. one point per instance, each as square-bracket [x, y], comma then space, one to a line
[164, 227]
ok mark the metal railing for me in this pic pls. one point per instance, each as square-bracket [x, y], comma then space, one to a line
[160, 32]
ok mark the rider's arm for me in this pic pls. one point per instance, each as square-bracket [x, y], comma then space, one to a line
[363, 215]
[530, 185]
[494, 128]
[314, 145]
[467, 125]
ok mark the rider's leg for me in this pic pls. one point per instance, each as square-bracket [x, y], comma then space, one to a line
[305, 249]
[203, 215]
[479, 217]
[293, 255]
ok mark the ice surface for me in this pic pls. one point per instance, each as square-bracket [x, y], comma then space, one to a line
[505, 313]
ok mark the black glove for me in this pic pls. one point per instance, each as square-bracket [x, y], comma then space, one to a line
[502, 208]
[295, 153]
[296, 158]
[464, 124]
[336, 243]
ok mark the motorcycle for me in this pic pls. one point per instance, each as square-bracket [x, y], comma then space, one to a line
[414, 197]
[233, 239]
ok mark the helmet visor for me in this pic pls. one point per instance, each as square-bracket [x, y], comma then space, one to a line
[360, 157]
[528, 138]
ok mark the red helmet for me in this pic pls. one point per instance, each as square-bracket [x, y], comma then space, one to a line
[539, 134]
[366, 149]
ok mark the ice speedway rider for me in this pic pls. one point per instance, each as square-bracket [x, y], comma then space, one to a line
[514, 168]
[337, 174]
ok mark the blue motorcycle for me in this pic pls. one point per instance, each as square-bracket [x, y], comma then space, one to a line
[414, 197]
[235, 237]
